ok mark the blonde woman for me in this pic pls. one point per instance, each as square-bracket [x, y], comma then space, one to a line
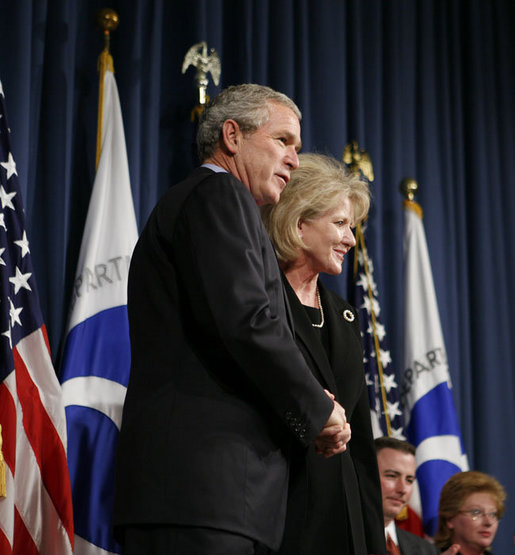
[334, 505]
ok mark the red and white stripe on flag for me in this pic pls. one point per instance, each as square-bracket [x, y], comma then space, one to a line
[36, 514]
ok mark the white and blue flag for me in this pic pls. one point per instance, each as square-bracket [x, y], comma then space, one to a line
[96, 359]
[431, 422]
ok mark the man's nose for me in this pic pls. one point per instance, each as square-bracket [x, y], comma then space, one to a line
[292, 158]
[401, 486]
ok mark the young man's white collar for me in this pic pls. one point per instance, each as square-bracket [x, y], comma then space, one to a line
[392, 530]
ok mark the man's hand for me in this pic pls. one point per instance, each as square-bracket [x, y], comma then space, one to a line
[336, 433]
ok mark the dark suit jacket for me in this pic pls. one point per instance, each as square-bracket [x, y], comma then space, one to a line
[335, 505]
[218, 388]
[410, 544]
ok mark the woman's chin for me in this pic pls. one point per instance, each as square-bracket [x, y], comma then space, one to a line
[334, 270]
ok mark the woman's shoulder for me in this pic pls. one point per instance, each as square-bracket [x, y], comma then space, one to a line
[333, 297]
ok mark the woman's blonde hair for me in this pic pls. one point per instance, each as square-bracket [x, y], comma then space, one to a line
[454, 494]
[315, 188]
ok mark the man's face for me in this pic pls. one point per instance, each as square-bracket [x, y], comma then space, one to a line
[266, 157]
[397, 475]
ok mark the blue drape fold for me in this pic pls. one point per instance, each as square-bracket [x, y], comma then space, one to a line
[427, 87]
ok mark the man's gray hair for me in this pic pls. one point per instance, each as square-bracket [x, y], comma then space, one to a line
[246, 104]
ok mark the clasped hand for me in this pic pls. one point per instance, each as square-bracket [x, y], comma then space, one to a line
[336, 433]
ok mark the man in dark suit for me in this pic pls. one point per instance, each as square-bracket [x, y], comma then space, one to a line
[397, 473]
[218, 389]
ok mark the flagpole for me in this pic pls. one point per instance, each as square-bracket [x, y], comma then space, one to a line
[359, 163]
[360, 244]
[96, 354]
[427, 390]
[107, 20]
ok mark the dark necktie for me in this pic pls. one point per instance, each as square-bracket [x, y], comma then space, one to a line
[391, 547]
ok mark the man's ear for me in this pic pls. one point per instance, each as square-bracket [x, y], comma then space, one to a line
[231, 136]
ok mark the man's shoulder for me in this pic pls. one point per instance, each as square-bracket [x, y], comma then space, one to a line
[197, 176]
[203, 181]
[412, 544]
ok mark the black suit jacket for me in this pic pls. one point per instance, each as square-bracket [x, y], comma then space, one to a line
[410, 544]
[218, 388]
[335, 505]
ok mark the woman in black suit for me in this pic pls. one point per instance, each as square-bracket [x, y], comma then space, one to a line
[334, 504]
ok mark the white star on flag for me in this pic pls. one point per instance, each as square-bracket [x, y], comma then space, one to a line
[362, 282]
[20, 280]
[380, 330]
[14, 313]
[370, 263]
[389, 382]
[10, 166]
[369, 305]
[23, 243]
[2, 262]
[385, 356]
[397, 434]
[393, 409]
[5, 198]
[2, 221]
[8, 335]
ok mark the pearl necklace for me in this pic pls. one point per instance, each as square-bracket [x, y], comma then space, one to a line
[321, 312]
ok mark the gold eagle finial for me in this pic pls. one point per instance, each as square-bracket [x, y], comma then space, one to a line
[358, 160]
[198, 57]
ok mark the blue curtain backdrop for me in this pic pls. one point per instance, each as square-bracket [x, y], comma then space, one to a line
[425, 86]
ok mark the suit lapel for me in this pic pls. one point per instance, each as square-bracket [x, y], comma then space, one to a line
[308, 340]
[342, 330]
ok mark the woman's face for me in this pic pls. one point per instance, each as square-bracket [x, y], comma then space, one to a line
[328, 238]
[472, 529]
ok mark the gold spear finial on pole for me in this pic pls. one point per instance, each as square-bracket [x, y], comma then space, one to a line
[107, 20]
[408, 187]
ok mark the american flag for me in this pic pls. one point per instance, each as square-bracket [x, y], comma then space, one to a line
[36, 511]
[383, 390]
[384, 394]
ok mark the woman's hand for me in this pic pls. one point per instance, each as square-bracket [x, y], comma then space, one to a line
[335, 435]
[333, 440]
